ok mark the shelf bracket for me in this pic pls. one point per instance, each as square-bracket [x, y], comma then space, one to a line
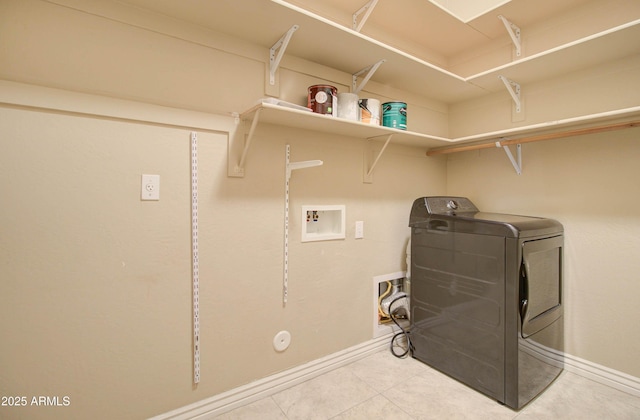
[369, 72]
[277, 51]
[237, 170]
[517, 165]
[290, 166]
[368, 169]
[514, 90]
[514, 33]
[366, 9]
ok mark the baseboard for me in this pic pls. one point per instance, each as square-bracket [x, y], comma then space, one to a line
[227, 401]
[254, 391]
[597, 373]
[603, 375]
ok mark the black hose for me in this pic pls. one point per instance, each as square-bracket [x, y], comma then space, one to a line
[402, 332]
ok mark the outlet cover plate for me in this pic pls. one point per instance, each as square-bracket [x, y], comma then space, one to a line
[359, 229]
[150, 187]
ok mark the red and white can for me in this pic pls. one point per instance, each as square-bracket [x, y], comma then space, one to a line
[323, 99]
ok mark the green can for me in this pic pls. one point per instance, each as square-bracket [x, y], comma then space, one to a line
[394, 115]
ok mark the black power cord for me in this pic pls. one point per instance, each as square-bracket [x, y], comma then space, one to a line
[402, 332]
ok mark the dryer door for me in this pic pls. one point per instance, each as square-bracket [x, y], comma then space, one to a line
[540, 284]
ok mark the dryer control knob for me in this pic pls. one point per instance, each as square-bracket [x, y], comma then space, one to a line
[452, 205]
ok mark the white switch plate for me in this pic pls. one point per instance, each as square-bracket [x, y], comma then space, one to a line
[359, 229]
[150, 187]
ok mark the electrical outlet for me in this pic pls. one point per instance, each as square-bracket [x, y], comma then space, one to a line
[150, 187]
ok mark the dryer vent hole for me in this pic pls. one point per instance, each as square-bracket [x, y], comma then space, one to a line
[281, 341]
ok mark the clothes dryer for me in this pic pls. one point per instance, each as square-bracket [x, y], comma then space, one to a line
[486, 297]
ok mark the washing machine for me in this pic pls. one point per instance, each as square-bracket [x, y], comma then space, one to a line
[486, 297]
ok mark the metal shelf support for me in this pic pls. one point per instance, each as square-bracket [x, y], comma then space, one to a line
[277, 51]
[517, 164]
[368, 169]
[514, 33]
[369, 72]
[514, 90]
[238, 169]
[290, 166]
[366, 9]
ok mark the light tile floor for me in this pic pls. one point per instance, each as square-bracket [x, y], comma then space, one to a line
[382, 386]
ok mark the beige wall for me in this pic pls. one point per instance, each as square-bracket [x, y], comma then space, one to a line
[590, 184]
[96, 284]
[95, 297]
[95, 290]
